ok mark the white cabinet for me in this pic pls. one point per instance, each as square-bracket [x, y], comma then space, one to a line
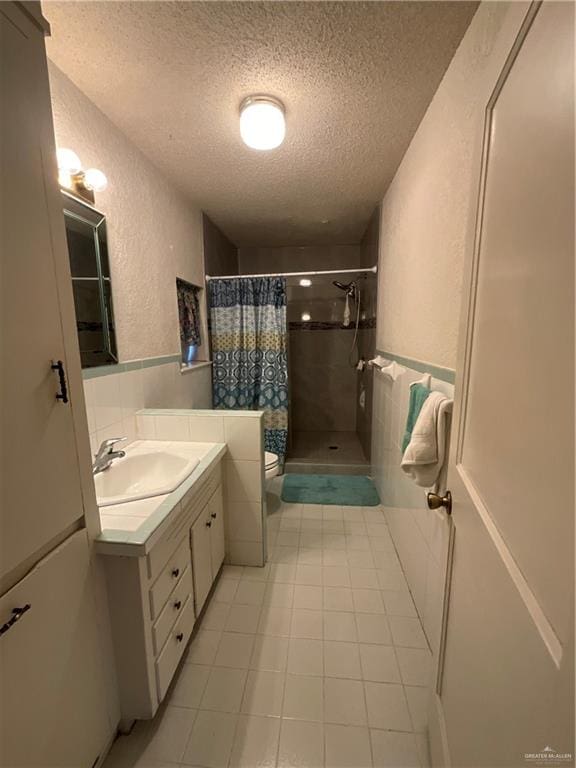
[53, 691]
[217, 546]
[207, 539]
[41, 488]
[56, 688]
[155, 596]
[201, 560]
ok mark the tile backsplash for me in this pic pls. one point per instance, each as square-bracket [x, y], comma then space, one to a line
[420, 535]
[113, 399]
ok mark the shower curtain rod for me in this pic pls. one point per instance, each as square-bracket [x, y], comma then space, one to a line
[297, 274]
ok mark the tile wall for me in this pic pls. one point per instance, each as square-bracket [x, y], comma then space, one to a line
[244, 498]
[112, 398]
[420, 535]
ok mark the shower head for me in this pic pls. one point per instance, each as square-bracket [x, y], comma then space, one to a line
[349, 288]
[342, 286]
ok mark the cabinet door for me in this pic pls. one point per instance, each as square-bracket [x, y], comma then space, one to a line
[216, 531]
[53, 697]
[201, 558]
[41, 489]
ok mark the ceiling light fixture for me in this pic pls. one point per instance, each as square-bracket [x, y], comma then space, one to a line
[305, 283]
[262, 122]
[72, 177]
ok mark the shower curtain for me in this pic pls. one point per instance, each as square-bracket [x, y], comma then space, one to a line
[249, 350]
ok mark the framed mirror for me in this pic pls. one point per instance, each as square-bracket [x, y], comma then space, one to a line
[89, 265]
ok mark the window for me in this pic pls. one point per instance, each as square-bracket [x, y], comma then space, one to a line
[190, 324]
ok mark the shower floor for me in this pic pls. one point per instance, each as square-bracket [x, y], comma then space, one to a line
[337, 448]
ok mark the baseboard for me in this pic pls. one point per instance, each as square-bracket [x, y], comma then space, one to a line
[437, 736]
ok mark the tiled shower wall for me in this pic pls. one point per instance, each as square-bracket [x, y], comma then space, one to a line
[420, 535]
[113, 395]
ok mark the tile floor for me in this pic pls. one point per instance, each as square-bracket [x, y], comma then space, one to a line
[314, 447]
[317, 660]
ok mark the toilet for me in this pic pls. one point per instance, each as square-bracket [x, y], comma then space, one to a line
[271, 464]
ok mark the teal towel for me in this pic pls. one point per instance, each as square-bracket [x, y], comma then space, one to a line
[418, 395]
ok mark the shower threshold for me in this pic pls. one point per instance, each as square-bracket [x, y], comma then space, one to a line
[326, 452]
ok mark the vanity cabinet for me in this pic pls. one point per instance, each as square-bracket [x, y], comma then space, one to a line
[207, 539]
[156, 595]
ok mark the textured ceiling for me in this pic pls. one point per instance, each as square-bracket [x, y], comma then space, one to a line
[355, 78]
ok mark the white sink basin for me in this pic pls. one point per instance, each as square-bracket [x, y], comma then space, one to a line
[149, 469]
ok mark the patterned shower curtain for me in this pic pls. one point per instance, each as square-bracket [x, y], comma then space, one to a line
[249, 341]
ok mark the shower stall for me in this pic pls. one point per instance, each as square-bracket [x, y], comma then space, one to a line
[331, 302]
[331, 325]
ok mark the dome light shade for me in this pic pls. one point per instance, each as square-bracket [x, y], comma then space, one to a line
[262, 122]
[68, 161]
[95, 180]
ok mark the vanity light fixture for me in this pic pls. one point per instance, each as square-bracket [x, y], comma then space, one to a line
[305, 282]
[262, 122]
[71, 175]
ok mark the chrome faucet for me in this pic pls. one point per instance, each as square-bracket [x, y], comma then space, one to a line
[105, 455]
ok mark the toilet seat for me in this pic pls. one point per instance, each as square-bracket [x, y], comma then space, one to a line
[271, 460]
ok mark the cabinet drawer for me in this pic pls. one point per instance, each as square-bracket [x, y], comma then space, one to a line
[172, 610]
[174, 648]
[164, 584]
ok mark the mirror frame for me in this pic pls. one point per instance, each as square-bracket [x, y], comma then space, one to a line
[81, 211]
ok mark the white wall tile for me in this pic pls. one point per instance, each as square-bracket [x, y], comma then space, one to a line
[419, 535]
[243, 480]
[245, 553]
[244, 520]
[243, 437]
[206, 429]
[106, 398]
[145, 426]
[172, 427]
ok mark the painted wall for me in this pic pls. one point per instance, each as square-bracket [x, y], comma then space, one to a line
[369, 248]
[428, 212]
[298, 258]
[154, 233]
[220, 254]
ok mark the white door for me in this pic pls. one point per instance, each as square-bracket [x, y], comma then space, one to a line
[41, 489]
[505, 687]
[201, 558]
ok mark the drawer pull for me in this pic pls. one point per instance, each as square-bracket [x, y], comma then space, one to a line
[180, 637]
[178, 605]
[213, 515]
[176, 572]
[209, 524]
[17, 614]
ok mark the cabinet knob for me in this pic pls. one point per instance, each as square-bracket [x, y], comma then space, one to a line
[213, 515]
[209, 524]
[176, 572]
[180, 637]
[178, 604]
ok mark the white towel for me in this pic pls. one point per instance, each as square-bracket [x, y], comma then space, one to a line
[425, 454]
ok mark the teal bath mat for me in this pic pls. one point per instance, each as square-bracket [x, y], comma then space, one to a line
[345, 490]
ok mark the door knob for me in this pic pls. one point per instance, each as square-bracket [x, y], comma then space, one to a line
[435, 501]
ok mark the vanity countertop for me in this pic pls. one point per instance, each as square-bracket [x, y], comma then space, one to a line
[132, 528]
